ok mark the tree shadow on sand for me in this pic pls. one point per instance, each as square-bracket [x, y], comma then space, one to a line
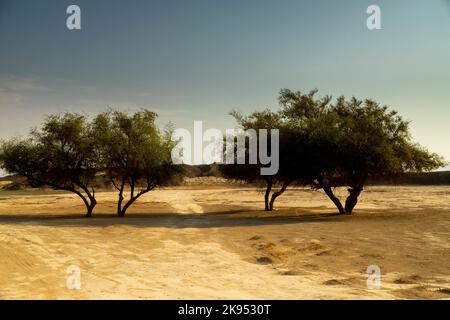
[233, 218]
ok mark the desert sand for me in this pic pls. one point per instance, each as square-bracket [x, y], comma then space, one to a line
[214, 242]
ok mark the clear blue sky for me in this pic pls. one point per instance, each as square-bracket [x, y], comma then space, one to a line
[197, 60]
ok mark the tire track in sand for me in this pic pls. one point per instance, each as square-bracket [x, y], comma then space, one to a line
[184, 203]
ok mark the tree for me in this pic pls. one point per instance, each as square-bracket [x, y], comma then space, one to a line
[134, 153]
[251, 173]
[328, 144]
[296, 155]
[60, 154]
[359, 140]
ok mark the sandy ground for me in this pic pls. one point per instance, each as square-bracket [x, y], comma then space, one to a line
[214, 243]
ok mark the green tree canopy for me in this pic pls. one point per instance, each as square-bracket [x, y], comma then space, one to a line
[328, 144]
[61, 154]
[361, 139]
[134, 153]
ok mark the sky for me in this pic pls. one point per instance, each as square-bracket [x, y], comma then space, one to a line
[199, 60]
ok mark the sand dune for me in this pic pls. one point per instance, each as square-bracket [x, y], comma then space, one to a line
[214, 242]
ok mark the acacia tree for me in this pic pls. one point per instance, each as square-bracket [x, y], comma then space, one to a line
[359, 140]
[61, 154]
[329, 144]
[297, 159]
[251, 173]
[135, 154]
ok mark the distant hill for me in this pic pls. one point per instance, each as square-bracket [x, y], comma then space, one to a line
[13, 183]
[193, 172]
[426, 178]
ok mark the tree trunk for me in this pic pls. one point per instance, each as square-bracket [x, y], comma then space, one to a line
[90, 204]
[119, 201]
[351, 200]
[333, 198]
[267, 194]
[88, 197]
[354, 193]
[126, 206]
[91, 196]
[277, 194]
[90, 208]
[121, 211]
[119, 206]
